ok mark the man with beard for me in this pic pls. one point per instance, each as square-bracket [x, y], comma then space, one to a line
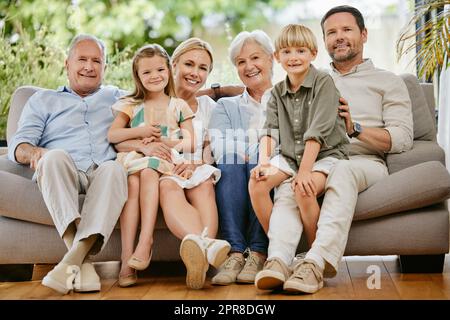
[380, 122]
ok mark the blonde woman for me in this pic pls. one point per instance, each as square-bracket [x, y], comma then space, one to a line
[189, 206]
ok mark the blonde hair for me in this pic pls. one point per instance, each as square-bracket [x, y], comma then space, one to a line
[296, 35]
[192, 44]
[150, 51]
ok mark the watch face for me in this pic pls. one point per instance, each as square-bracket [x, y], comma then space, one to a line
[358, 127]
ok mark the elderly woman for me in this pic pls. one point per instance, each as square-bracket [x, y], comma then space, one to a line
[189, 204]
[233, 129]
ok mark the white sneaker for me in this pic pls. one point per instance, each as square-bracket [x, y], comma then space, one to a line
[193, 254]
[198, 252]
[216, 250]
[61, 278]
[87, 280]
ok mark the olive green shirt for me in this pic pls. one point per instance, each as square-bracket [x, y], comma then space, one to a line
[309, 113]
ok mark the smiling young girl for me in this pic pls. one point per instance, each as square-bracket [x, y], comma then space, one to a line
[151, 113]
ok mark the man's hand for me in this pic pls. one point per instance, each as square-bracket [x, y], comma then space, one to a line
[36, 154]
[344, 112]
[157, 149]
[305, 183]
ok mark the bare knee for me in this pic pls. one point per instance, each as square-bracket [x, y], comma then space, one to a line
[133, 186]
[149, 174]
[166, 189]
[205, 189]
[168, 185]
[304, 200]
[258, 189]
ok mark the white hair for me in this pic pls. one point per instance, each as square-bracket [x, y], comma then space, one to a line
[259, 36]
[82, 37]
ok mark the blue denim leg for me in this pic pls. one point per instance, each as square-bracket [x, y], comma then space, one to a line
[232, 202]
[257, 238]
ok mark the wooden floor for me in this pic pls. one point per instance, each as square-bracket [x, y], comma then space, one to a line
[166, 281]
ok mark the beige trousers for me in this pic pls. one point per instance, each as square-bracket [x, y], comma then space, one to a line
[105, 187]
[346, 180]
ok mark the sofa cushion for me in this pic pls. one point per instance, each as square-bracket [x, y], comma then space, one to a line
[18, 169]
[18, 100]
[414, 187]
[21, 199]
[422, 151]
[424, 124]
[31, 206]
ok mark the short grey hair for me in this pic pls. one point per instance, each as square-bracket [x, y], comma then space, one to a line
[259, 36]
[82, 37]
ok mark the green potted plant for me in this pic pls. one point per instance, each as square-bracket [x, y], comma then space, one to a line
[430, 35]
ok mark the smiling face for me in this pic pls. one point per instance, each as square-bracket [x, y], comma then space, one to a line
[153, 73]
[85, 67]
[295, 60]
[343, 38]
[254, 66]
[191, 70]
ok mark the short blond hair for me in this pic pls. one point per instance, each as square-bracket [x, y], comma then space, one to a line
[192, 44]
[296, 35]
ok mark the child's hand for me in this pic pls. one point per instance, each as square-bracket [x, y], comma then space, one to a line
[150, 131]
[149, 140]
[305, 184]
[262, 171]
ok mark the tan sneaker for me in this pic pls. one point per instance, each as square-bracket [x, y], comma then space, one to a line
[273, 275]
[307, 277]
[229, 270]
[253, 264]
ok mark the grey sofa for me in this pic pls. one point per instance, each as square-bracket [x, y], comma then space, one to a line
[405, 214]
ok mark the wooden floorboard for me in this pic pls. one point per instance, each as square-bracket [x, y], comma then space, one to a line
[166, 281]
[418, 286]
[370, 279]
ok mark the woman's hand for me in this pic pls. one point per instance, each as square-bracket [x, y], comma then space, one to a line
[305, 183]
[157, 149]
[184, 170]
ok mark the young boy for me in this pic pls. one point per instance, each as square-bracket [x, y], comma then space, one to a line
[302, 116]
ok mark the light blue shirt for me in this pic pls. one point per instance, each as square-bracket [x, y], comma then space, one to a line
[235, 124]
[61, 119]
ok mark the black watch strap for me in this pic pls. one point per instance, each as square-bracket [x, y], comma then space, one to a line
[216, 88]
[357, 129]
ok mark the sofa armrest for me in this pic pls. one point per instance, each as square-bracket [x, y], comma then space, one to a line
[411, 188]
[422, 151]
[14, 168]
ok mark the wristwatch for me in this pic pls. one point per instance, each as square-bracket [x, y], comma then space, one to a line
[216, 88]
[357, 129]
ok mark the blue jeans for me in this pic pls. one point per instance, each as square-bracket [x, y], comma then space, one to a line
[237, 220]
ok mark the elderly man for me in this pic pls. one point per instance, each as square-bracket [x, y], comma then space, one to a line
[62, 135]
[380, 122]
